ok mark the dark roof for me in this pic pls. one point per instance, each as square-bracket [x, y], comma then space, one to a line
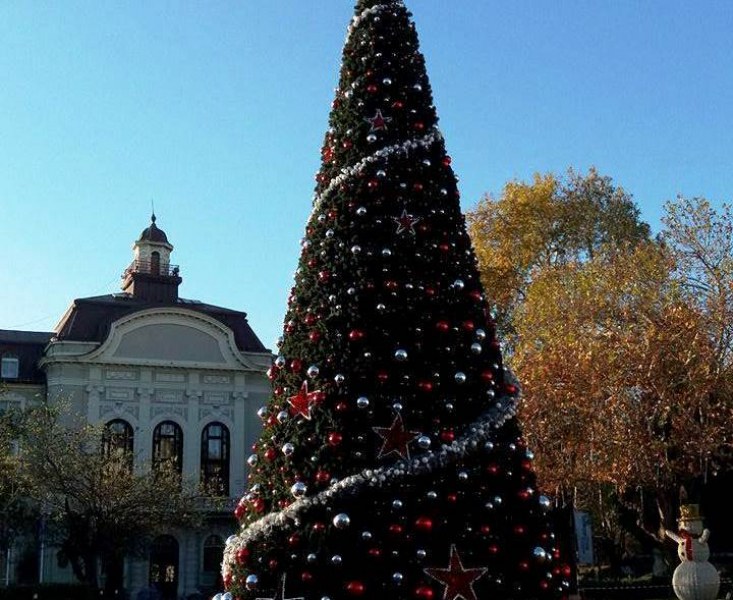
[27, 347]
[153, 233]
[90, 319]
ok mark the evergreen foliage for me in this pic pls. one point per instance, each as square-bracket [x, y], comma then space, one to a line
[390, 463]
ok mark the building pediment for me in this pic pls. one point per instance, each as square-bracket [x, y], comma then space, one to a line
[167, 336]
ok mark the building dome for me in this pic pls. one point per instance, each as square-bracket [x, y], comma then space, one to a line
[153, 233]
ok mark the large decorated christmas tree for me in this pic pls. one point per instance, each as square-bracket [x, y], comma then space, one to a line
[390, 463]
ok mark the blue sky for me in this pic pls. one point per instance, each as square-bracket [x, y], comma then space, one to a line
[216, 110]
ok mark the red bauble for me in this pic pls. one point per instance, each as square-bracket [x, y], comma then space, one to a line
[447, 161]
[452, 498]
[544, 584]
[306, 576]
[476, 295]
[310, 319]
[372, 88]
[373, 184]
[485, 529]
[510, 389]
[294, 539]
[324, 276]
[398, 104]
[342, 407]
[355, 335]
[270, 454]
[239, 511]
[419, 125]
[242, 555]
[467, 325]
[447, 436]
[272, 564]
[382, 376]
[425, 386]
[492, 469]
[524, 494]
[318, 526]
[487, 376]
[296, 365]
[444, 247]
[259, 505]
[429, 292]
[424, 524]
[355, 588]
[418, 187]
[375, 552]
[346, 144]
[493, 549]
[335, 438]
[520, 530]
[395, 529]
[424, 592]
[322, 476]
[442, 326]
[314, 336]
[524, 566]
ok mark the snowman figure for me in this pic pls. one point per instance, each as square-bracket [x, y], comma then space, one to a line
[695, 578]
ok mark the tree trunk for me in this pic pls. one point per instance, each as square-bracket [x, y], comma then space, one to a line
[114, 570]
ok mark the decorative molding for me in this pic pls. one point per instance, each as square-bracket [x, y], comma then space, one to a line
[170, 377]
[217, 398]
[181, 411]
[122, 375]
[169, 396]
[216, 412]
[119, 393]
[119, 409]
[217, 379]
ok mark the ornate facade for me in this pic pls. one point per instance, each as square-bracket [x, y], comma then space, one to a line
[170, 376]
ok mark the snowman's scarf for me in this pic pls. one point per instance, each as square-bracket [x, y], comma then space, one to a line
[688, 543]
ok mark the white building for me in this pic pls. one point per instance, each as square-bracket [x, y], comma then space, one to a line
[170, 376]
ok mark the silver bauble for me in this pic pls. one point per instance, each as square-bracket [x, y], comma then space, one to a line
[424, 442]
[288, 449]
[298, 489]
[251, 582]
[341, 521]
[313, 371]
[460, 377]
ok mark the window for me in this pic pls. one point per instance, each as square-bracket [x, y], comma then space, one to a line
[168, 444]
[213, 554]
[164, 566]
[215, 459]
[155, 263]
[117, 440]
[9, 367]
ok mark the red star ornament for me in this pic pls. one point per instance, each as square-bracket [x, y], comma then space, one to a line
[396, 438]
[378, 121]
[457, 580]
[406, 222]
[302, 403]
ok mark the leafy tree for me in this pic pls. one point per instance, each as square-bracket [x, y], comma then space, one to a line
[99, 509]
[17, 510]
[622, 343]
[390, 462]
[549, 222]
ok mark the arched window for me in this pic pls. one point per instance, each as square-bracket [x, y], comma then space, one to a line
[118, 440]
[164, 566]
[215, 459]
[155, 262]
[213, 554]
[168, 444]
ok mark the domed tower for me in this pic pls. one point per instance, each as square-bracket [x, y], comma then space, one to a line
[151, 276]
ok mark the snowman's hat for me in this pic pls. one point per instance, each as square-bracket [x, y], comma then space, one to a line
[690, 512]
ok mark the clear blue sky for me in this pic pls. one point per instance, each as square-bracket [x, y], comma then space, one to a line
[216, 110]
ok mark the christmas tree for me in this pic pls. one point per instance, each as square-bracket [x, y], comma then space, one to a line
[390, 464]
